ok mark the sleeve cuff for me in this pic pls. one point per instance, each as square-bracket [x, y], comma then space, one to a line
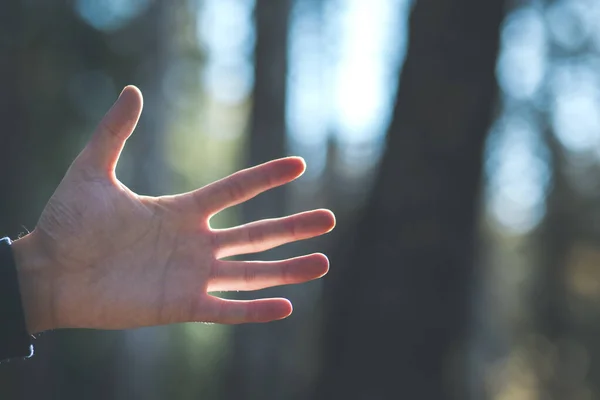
[15, 341]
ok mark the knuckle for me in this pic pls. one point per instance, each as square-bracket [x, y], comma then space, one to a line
[250, 275]
[220, 312]
[214, 269]
[234, 189]
[191, 306]
[290, 226]
[207, 311]
[198, 200]
[255, 235]
[215, 241]
[269, 180]
[108, 129]
[286, 273]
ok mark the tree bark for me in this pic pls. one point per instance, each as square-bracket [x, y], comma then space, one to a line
[397, 299]
[255, 369]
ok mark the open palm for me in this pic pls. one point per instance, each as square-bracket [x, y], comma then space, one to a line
[108, 258]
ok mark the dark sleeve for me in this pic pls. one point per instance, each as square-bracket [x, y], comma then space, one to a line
[15, 341]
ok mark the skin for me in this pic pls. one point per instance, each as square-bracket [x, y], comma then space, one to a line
[103, 257]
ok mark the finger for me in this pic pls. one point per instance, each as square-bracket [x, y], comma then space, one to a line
[107, 142]
[242, 185]
[255, 275]
[225, 311]
[269, 233]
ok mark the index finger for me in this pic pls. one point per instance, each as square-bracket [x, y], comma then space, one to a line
[245, 184]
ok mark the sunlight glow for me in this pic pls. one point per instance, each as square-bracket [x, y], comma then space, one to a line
[518, 175]
[570, 21]
[226, 31]
[364, 71]
[109, 15]
[521, 63]
[576, 106]
[344, 60]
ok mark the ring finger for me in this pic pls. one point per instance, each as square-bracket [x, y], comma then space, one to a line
[255, 275]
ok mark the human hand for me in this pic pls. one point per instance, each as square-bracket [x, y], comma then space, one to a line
[104, 257]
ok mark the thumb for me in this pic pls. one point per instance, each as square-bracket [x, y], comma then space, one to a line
[108, 140]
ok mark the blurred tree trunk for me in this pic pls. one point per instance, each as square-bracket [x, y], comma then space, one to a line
[144, 352]
[567, 229]
[557, 234]
[255, 368]
[12, 119]
[567, 239]
[397, 301]
[566, 310]
[267, 124]
[46, 49]
[23, 173]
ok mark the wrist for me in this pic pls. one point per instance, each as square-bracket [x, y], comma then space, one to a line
[35, 283]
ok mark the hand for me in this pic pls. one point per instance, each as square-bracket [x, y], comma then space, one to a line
[104, 257]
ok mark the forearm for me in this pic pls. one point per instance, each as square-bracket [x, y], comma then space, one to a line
[35, 283]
